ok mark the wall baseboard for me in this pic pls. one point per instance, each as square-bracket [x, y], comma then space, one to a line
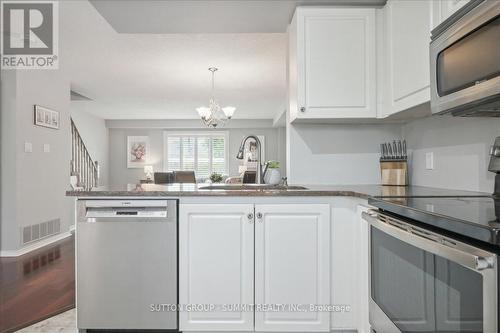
[37, 245]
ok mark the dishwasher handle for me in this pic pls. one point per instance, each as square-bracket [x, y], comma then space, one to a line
[125, 213]
[125, 203]
[92, 211]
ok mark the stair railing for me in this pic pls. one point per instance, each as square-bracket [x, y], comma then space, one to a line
[82, 165]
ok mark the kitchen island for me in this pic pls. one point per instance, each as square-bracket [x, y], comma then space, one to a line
[249, 254]
[195, 190]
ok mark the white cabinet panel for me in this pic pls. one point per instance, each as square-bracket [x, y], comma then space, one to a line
[407, 37]
[292, 263]
[216, 249]
[445, 8]
[363, 272]
[344, 267]
[332, 63]
[349, 267]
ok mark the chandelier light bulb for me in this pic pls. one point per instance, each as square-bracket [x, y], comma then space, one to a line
[213, 115]
[203, 111]
[229, 111]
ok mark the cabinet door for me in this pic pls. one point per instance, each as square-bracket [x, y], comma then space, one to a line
[408, 25]
[336, 63]
[292, 266]
[216, 265]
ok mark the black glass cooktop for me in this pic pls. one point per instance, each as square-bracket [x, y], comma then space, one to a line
[477, 218]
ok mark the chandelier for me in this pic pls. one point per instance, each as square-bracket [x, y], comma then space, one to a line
[214, 115]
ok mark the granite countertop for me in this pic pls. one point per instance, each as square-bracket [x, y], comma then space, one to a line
[188, 190]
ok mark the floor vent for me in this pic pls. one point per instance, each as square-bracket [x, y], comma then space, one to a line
[42, 230]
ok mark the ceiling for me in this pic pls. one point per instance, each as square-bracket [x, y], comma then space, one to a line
[165, 76]
[207, 16]
[150, 59]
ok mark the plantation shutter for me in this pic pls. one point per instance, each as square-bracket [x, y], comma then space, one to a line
[203, 153]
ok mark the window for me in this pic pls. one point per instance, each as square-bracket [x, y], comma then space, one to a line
[203, 152]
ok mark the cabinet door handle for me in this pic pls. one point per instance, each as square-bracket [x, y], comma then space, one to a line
[259, 216]
[250, 217]
[302, 109]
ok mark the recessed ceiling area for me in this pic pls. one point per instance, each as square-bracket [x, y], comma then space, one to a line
[165, 76]
[203, 16]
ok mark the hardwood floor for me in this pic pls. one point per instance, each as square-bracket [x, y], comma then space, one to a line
[37, 285]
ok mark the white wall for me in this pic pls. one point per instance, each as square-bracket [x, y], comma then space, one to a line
[461, 151]
[9, 233]
[348, 154]
[33, 184]
[118, 132]
[95, 135]
[336, 154]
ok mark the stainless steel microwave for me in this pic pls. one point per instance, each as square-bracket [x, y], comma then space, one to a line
[465, 62]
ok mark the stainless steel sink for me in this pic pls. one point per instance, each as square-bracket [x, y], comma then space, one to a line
[252, 187]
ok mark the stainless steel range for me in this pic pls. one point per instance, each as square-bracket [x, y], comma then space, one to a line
[434, 262]
[424, 281]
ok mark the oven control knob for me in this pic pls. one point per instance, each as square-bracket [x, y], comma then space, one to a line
[484, 263]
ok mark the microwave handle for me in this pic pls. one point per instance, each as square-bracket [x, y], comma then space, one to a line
[435, 246]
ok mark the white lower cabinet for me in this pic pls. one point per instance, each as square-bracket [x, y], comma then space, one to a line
[292, 265]
[216, 266]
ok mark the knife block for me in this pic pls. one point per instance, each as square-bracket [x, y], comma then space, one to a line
[394, 172]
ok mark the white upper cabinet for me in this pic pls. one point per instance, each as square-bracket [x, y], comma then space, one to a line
[444, 9]
[292, 265]
[332, 63]
[405, 61]
[216, 265]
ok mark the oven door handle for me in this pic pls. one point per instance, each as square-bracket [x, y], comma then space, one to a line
[471, 258]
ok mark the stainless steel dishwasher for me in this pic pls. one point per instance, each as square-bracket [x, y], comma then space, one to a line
[126, 264]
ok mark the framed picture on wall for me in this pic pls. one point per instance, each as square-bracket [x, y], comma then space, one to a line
[137, 151]
[45, 117]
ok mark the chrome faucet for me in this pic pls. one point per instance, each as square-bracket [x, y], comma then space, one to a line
[258, 177]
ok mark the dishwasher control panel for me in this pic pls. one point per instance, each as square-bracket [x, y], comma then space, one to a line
[127, 212]
[117, 210]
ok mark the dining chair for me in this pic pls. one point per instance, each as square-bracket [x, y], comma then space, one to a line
[163, 177]
[184, 177]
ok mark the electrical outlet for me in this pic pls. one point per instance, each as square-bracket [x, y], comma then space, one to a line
[28, 147]
[429, 161]
[46, 148]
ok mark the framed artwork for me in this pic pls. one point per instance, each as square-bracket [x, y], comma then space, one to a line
[45, 117]
[137, 151]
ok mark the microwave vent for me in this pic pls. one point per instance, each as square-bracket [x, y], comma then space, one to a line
[488, 107]
[495, 113]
